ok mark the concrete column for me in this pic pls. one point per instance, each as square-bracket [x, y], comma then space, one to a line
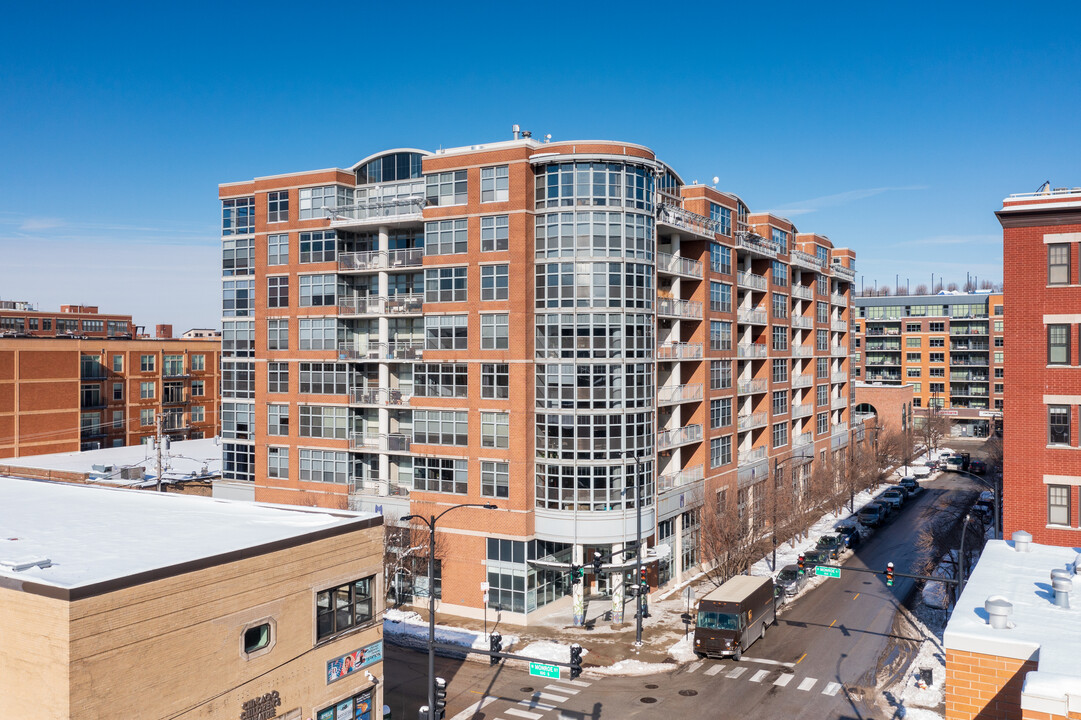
[384, 367]
[678, 548]
[617, 584]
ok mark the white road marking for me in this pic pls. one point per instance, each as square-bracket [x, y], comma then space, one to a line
[765, 661]
[536, 705]
[759, 676]
[694, 666]
[473, 709]
[522, 713]
[807, 684]
[736, 672]
[831, 688]
[550, 697]
[576, 683]
[714, 669]
[559, 689]
[783, 680]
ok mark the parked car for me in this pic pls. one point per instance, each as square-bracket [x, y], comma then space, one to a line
[811, 558]
[892, 498]
[850, 535]
[977, 466]
[910, 484]
[871, 515]
[921, 471]
[905, 494]
[832, 544]
[789, 581]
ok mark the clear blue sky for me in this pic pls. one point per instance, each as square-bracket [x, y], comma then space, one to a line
[895, 129]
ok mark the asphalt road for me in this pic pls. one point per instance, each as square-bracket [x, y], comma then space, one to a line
[822, 659]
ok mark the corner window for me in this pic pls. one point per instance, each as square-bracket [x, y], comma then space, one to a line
[238, 216]
[344, 607]
[1058, 264]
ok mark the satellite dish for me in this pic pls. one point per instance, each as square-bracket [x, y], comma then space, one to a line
[716, 179]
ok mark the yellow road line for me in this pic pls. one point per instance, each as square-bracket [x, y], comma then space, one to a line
[855, 596]
[831, 624]
[801, 658]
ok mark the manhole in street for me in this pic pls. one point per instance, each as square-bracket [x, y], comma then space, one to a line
[527, 689]
[651, 686]
[688, 693]
[648, 700]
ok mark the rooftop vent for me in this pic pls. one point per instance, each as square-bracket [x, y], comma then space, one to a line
[1061, 584]
[1022, 541]
[998, 612]
[25, 563]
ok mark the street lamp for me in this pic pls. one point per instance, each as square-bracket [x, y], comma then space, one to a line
[994, 491]
[431, 592]
[961, 558]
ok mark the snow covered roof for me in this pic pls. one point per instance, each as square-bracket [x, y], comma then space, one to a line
[68, 536]
[184, 460]
[1038, 629]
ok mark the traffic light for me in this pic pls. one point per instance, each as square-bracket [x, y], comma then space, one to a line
[889, 574]
[576, 574]
[576, 661]
[440, 698]
[643, 580]
[799, 563]
[495, 644]
[597, 563]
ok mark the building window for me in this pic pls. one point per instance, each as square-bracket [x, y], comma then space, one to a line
[1058, 344]
[197, 388]
[146, 417]
[313, 200]
[238, 338]
[823, 395]
[999, 388]
[319, 246]
[238, 216]
[495, 184]
[324, 466]
[780, 239]
[720, 259]
[323, 378]
[494, 233]
[148, 363]
[720, 374]
[720, 335]
[440, 427]
[494, 332]
[913, 328]
[999, 373]
[277, 206]
[822, 423]
[1058, 264]
[441, 380]
[344, 607]
[277, 462]
[277, 377]
[822, 368]
[780, 402]
[780, 273]
[277, 249]
[318, 334]
[937, 327]
[936, 387]
[936, 357]
[257, 638]
[446, 332]
[198, 414]
[720, 451]
[780, 338]
[780, 306]
[278, 291]
[822, 312]
[441, 475]
[914, 357]
[238, 298]
[999, 342]
[936, 342]
[822, 340]
[318, 290]
[1058, 425]
[780, 371]
[447, 284]
[238, 462]
[780, 434]
[277, 419]
[198, 362]
[277, 334]
[448, 188]
[723, 217]
[445, 237]
[238, 258]
[324, 421]
[936, 372]
[1058, 504]
[913, 342]
[494, 430]
[822, 285]
[237, 420]
[720, 413]
[1000, 357]
[118, 391]
[720, 297]
[494, 381]
[495, 479]
[146, 390]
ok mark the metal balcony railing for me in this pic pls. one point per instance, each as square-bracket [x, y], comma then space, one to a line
[801, 410]
[675, 265]
[842, 271]
[746, 457]
[752, 317]
[667, 439]
[371, 260]
[840, 428]
[839, 350]
[802, 292]
[393, 442]
[411, 304]
[839, 403]
[671, 480]
[752, 387]
[967, 330]
[800, 321]
[677, 217]
[751, 350]
[838, 299]
[672, 307]
[679, 351]
[748, 279]
[377, 487]
[669, 394]
[378, 396]
[801, 380]
[802, 439]
[802, 351]
[839, 376]
[805, 260]
[756, 244]
[751, 421]
[839, 326]
[377, 211]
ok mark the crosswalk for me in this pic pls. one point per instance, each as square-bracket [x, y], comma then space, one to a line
[532, 707]
[765, 677]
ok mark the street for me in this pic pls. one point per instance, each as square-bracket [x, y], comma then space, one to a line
[828, 651]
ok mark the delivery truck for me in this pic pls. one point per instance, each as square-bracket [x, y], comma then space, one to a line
[733, 616]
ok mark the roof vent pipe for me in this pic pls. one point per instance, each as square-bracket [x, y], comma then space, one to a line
[515, 129]
[1062, 584]
[998, 612]
[1077, 565]
[1022, 541]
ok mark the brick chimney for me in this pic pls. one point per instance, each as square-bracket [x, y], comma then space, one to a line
[163, 332]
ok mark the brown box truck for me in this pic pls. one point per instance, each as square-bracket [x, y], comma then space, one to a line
[733, 616]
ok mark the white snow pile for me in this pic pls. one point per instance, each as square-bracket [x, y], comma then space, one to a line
[683, 651]
[636, 668]
[912, 698]
[408, 629]
[547, 650]
[937, 594]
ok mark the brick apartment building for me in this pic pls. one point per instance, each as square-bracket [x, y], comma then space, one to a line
[1041, 236]
[82, 390]
[552, 327]
[948, 347]
[21, 319]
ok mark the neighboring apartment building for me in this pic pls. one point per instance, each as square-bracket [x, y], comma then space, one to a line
[20, 319]
[68, 394]
[1041, 236]
[558, 328]
[949, 347]
[153, 605]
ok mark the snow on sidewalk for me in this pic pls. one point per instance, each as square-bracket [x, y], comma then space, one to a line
[409, 629]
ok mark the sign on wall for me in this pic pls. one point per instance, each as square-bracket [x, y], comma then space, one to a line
[262, 708]
[351, 662]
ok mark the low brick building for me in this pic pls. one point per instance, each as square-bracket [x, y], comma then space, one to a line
[891, 405]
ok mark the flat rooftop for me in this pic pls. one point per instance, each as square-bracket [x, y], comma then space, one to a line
[184, 460]
[84, 535]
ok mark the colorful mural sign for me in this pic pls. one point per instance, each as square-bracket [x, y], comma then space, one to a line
[351, 662]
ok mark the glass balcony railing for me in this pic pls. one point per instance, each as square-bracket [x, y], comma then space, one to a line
[680, 478]
[751, 350]
[751, 421]
[751, 281]
[673, 307]
[667, 439]
[669, 394]
[675, 265]
[802, 292]
[751, 387]
[801, 381]
[679, 351]
[747, 457]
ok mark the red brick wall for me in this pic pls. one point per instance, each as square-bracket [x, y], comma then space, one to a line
[984, 687]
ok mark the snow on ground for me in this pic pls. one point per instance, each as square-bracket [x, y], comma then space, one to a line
[683, 651]
[636, 668]
[548, 650]
[912, 699]
[408, 629]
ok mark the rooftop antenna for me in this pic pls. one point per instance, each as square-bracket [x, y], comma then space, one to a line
[715, 181]
[1046, 187]
[548, 138]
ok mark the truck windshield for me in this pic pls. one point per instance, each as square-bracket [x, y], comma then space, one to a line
[717, 621]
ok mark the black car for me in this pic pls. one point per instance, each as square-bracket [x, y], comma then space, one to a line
[850, 535]
[811, 558]
[832, 544]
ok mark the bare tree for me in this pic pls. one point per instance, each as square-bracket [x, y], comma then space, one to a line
[952, 287]
[970, 285]
[727, 542]
[921, 289]
[987, 285]
[895, 448]
[405, 557]
[932, 428]
[937, 288]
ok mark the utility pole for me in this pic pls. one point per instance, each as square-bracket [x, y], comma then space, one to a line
[638, 553]
[157, 442]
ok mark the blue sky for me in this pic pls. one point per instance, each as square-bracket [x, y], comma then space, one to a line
[895, 130]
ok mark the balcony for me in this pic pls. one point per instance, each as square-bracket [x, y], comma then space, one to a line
[967, 330]
[671, 394]
[799, 321]
[844, 272]
[890, 332]
[802, 439]
[748, 351]
[970, 361]
[839, 376]
[839, 326]
[881, 346]
[679, 351]
[671, 307]
[176, 398]
[750, 421]
[805, 260]
[748, 280]
[675, 265]
[839, 350]
[680, 478]
[883, 377]
[376, 352]
[840, 428]
[802, 351]
[838, 299]
[378, 211]
[374, 260]
[382, 397]
[348, 351]
[756, 245]
[92, 401]
[839, 403]
[379, 488]
[802, 292]
[361, 305]
[681, 219]
[394, 442]
[405, 350]
[802, 410]
[751, 387]
[968, 346]
[800, 380]
[751, 456]
[752, 317]
[668, 439]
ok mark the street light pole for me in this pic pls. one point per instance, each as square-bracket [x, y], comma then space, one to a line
[638, 553]
[431, 592]
[961, 559]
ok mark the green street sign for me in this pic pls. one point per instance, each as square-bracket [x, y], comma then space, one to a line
[828, 571]
[544, 670]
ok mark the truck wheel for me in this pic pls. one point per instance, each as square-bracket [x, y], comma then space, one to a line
[762, 635]
[738, 654]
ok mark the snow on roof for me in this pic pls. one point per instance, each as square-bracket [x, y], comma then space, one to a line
[68, 535]
[183, 460]
[1039, 630]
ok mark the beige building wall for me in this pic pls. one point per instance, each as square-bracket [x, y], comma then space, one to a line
[34, 655]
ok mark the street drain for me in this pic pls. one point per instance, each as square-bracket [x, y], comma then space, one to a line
[648, 700]
[688, 693]
[527, 689]
[651, 686]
